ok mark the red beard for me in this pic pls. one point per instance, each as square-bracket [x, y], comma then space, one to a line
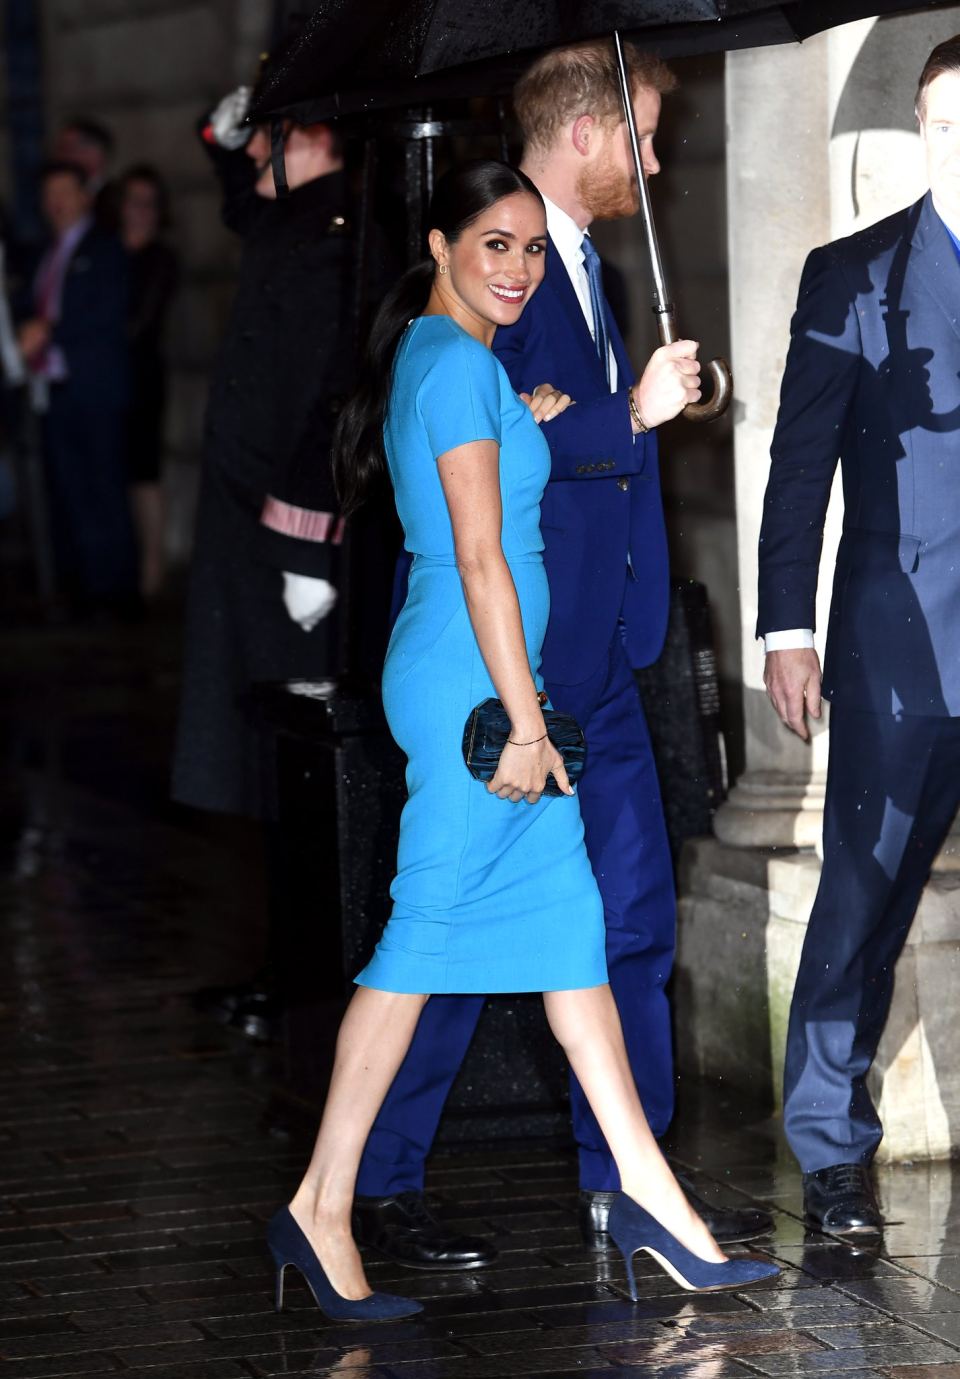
[606, 192]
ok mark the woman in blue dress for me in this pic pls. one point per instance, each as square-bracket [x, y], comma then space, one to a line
[493, 890]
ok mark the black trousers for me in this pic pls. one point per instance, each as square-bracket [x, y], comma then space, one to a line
[92, 530]
[893, 788]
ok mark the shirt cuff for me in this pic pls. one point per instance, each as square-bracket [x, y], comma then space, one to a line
[793, 639]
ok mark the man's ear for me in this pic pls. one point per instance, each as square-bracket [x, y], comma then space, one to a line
[582, 135]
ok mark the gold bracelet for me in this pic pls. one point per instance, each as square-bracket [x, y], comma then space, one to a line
[532, 743]
[635, 413]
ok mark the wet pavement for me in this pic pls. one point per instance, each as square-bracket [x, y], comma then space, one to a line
[140, 1154]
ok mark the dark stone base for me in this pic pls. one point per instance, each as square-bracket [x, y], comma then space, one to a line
[514, 1080]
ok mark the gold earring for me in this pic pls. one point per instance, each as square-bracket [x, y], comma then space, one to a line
[443, 268]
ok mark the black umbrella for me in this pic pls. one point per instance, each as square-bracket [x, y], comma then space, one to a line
[359, 55]
[353, 57]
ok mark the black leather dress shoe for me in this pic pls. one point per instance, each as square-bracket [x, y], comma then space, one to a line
[593, 1210]
[405, 1229]
[841, 1201]
[221, 1002]
[258, 1016]
[727, 1225]
[254, 1008]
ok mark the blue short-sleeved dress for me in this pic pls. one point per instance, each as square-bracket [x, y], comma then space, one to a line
[489, 895]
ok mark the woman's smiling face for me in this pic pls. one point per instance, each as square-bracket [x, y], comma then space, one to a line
[497, 263]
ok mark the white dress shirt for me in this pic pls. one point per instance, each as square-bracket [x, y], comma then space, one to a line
[791, 639]
[48, 295]
[568, 241]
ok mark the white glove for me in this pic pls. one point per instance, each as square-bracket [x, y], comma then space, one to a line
[227, 121]
[308, 600]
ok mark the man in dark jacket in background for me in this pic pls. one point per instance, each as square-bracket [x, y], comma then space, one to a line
[266, 562]
[90, 145]
[73, 339]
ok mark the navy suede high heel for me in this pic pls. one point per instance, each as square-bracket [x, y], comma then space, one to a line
[289, 1245]
[632, 1228]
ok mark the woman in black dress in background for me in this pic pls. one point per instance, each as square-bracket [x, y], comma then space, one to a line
[154, 272]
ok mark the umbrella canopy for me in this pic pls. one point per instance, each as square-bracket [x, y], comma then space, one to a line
[352, 57]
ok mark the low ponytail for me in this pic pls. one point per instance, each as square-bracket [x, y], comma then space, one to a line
[459, 198]
[358, 457]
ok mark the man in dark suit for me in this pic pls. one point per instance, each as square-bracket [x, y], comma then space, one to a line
[267, 517]
[90, 145]
[75, 345]
[871, 380]
[606, 560]
[266, 563]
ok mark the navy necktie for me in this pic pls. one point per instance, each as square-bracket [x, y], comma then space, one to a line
[595, 276]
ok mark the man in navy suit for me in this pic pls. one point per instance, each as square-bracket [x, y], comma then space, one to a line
[873, 380]
[75, 344]
[606, 560]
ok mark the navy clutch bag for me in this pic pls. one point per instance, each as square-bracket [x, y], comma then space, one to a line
[485, 735]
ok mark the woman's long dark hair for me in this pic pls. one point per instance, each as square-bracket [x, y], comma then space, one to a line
[460, 196]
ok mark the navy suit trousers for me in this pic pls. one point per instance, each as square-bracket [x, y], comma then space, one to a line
[893, 788]
[628, 849]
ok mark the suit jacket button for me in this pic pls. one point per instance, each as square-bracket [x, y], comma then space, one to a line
[623, 482]
[590, 468]
[579, 468]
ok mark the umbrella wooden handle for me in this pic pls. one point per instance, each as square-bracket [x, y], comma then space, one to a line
[718, 369]
[719, 400]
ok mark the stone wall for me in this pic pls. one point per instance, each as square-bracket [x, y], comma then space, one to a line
[147, 71]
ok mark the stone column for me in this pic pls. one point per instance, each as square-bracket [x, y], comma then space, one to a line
[779, 208]
[821, 142]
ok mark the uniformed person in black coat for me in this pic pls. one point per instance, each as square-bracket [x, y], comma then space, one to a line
[266, 561]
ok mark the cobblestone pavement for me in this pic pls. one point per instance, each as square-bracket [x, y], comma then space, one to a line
[137, 1169]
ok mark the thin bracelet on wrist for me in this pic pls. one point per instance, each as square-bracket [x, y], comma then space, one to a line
[533, 741]
[635, 413]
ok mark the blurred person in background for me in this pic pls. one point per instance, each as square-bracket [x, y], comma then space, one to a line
[12, 376]
[73, 336]
[266, 560]
[89, 145]
[154, 273]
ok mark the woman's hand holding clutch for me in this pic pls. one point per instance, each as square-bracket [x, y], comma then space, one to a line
[546, 402]
[523, 770]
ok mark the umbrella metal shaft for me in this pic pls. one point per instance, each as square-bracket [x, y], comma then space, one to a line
[662, 299]
[718, 369]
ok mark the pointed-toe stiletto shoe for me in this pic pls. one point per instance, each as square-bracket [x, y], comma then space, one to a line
[632, 1228]
[289, 1245]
